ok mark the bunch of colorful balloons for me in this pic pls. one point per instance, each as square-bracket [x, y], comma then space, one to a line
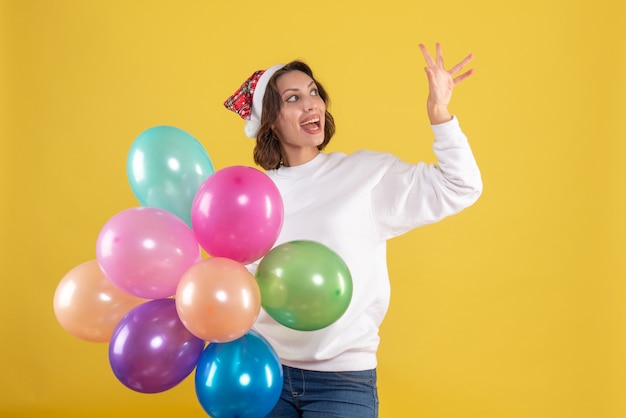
[151, 295]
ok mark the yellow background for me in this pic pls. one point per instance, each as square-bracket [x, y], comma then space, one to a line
[513, 308]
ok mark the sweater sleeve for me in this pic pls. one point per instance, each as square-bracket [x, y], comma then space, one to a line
[411, 195]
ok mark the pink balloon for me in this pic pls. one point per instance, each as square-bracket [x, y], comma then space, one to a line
[237, 213]
[144, 251]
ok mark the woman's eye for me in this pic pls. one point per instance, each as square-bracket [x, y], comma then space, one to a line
[292, 98]
[314, 92]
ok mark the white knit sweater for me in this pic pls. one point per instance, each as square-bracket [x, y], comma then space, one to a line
[353, 204]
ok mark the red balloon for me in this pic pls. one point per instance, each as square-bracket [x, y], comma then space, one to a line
[237, 213]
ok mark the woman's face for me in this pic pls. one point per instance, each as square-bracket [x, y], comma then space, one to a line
[300, 125]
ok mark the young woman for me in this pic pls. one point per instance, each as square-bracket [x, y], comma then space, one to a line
[352, 204]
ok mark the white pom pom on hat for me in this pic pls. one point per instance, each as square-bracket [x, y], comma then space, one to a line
[247, 101]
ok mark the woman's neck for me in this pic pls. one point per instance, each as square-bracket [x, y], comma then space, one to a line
[299, 156]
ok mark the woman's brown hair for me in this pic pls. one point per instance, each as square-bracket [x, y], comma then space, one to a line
[267, 152]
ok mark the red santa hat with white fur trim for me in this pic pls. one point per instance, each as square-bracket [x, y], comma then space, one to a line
[247, 101]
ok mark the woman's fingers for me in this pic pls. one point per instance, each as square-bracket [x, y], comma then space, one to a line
[439, 55]
[461, 64]
[463, 76]
[438, 62]
[427, 57]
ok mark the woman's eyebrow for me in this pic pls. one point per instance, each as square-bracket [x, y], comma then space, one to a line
[296, 89]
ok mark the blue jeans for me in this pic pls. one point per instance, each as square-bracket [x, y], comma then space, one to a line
[311, 394]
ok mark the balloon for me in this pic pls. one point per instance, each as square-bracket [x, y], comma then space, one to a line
[150, 350]
[237, 213]
[242, 378]
[165, 168]
[304, 285]
[144, 251]
[218, 299]
[88, 306]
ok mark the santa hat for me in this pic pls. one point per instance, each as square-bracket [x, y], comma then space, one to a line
[247, 101]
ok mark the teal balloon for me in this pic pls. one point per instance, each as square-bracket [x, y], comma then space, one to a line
[166, 167]
[304, 285]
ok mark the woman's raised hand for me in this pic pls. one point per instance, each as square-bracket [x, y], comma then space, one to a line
[441, 82]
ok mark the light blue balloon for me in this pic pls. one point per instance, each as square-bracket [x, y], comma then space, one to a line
[166, 167]
[241, 378]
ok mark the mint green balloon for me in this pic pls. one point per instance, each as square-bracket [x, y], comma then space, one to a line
[304, 285]
[166, 167]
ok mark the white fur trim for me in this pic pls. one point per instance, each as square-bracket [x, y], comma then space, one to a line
[254, 123]
[252, 128]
